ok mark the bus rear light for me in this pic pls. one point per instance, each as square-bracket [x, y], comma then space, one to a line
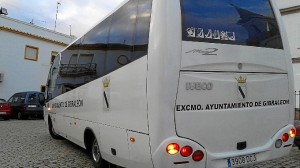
[186, 151]
[173, 148]
[285, 137]
[292, 133]
[198, 155]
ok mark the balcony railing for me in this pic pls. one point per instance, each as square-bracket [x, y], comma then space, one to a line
[77, 70]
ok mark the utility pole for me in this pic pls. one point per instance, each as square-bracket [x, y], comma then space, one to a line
[56, 15]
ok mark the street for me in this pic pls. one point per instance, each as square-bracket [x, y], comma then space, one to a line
[27, 144]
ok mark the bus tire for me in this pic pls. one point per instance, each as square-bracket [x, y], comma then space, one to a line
[96, 155]
[52, 132]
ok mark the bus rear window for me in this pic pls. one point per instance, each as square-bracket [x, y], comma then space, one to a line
[238, 22]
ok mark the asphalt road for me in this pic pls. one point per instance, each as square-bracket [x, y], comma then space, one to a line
[27, 144]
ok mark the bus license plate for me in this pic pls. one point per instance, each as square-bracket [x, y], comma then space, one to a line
[241, 160]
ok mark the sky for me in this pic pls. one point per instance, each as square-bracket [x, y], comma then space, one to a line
[74, 16]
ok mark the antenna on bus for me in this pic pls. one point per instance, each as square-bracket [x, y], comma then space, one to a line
[58, 3]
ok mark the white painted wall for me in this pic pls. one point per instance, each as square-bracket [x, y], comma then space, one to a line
[286, 3]
[292, 25]
[21, 74]
[35, 30]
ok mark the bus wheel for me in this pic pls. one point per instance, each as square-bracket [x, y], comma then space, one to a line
[52, 132]
[96, 155]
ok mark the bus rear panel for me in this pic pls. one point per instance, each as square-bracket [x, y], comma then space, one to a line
[234, 87]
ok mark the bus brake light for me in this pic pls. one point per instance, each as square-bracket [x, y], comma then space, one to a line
[186, 151]
[198, 155]
[285, 137]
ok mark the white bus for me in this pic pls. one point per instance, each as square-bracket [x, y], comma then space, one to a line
[177, 84]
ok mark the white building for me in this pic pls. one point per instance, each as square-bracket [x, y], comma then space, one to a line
[290, 11]
[26, 53]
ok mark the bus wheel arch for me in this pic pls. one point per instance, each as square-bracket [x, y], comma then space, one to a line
[92, 145]
[88, 138]
[52, 132]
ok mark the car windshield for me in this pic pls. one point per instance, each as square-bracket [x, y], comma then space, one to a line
[17, 98]
[2, 101]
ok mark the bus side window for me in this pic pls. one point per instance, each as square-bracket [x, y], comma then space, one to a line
[121, 37]
[93, 49]
[115, 42]
[142, 29]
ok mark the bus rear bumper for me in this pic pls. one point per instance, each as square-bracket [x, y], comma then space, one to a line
[162, 159]
[251, 156]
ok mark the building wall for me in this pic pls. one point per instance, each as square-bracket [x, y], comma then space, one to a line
[292, 23]
[34, 30]
[290, 11]
[286, 3]
[21, 74]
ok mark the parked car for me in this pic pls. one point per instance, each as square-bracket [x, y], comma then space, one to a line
[25, 104]
[5, 111]
[297, 138]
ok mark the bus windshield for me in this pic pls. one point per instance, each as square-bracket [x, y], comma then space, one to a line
[236, 22]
